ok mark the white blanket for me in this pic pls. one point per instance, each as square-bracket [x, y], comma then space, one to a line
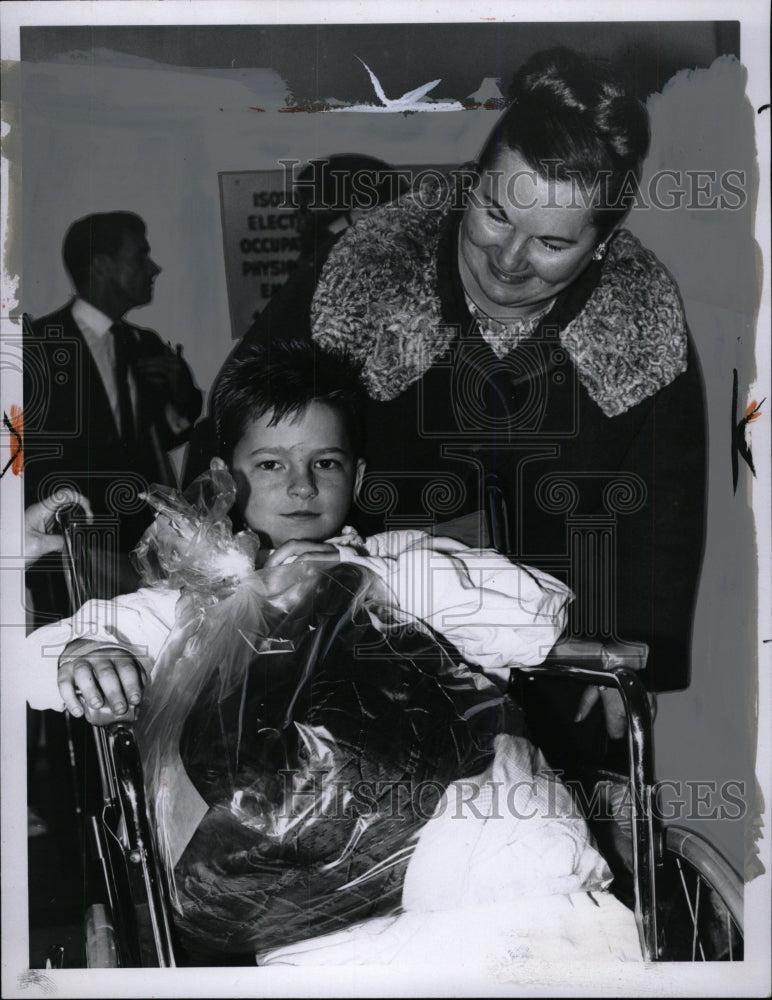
[512, 831]
[498, 940]
[505, 872]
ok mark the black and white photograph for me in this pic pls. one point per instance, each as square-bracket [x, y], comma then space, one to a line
[385, 499]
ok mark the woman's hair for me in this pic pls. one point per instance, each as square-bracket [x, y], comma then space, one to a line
[282, 378]
[572, 118]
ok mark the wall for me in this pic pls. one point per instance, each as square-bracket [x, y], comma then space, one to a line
[105, 130]
[708, 732]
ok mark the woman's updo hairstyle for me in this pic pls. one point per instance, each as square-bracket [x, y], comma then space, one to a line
[571, 117]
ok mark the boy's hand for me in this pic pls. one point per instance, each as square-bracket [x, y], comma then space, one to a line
[297, 548]
[101, 673]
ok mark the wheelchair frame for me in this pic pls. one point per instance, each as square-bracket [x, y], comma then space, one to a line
[134, 927]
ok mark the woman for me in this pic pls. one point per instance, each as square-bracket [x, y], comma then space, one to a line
[512, 335]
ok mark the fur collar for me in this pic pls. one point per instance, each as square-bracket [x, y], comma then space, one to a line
[378, 299]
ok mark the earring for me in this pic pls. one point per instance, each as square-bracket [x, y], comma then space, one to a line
[600, 252]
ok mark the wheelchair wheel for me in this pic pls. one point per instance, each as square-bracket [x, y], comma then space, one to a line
[101, 949]
[699, 901]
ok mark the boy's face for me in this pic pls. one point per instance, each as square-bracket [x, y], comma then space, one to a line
[298, 478]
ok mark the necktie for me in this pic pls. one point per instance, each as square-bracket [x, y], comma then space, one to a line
[123, 343]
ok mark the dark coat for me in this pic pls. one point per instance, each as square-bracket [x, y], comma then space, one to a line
[593, 429]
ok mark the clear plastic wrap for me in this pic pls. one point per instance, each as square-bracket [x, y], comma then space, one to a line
[315, 733]
[191, 542]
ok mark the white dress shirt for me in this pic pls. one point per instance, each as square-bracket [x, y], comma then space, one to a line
[95, 327]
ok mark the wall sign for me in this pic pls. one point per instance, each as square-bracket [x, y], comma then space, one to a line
[261, 240]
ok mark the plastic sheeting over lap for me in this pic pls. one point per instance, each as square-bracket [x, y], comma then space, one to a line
[318, 733]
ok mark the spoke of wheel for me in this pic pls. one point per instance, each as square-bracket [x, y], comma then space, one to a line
[729, 936]
[692, 913]
[695, 937]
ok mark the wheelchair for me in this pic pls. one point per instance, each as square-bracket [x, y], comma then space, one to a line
[686, 897]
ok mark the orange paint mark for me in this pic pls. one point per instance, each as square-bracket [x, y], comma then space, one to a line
[753, 411]
[252, 109]
[17, 450]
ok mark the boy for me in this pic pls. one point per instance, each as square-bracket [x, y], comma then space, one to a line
[289, 423]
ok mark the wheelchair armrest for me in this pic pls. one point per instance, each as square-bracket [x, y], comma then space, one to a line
[587, 671]
[591, 670]
[576, 653]
[607, 655]
[583, 661]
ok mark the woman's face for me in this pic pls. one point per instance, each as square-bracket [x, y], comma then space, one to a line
[523, 238]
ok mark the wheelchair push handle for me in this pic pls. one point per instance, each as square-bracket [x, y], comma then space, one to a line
[68, 517]
[68, 520]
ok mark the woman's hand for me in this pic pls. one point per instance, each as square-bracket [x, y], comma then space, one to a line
[40, 538]
[612, 655]
[609, 656]
[101, 673]
[297, 548]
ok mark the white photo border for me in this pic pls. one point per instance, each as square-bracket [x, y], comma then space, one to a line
[748, 978]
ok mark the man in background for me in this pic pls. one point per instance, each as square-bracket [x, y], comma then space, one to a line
[104, 400]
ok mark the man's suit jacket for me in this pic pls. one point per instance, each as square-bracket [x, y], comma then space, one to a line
[70, 434]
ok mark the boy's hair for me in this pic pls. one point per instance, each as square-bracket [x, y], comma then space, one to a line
[282, 378]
